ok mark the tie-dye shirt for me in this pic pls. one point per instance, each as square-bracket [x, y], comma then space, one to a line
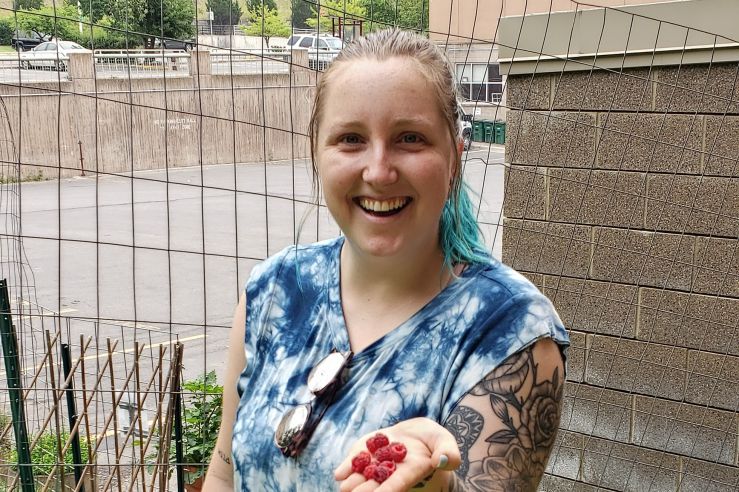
[422, 368]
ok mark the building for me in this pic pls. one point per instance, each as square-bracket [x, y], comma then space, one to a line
[468, 30]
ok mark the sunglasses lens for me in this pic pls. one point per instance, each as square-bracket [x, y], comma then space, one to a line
[326, 372]
[291, 425]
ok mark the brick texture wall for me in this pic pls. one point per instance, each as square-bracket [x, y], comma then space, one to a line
[622, 205]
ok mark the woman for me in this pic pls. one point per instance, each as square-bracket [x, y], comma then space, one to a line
[413, 330]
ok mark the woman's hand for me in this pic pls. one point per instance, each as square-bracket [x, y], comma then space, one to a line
[430, 447]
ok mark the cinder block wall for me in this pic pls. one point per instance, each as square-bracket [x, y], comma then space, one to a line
[622, 204]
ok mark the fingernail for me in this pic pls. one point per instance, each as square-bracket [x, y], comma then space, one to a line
[443, 460]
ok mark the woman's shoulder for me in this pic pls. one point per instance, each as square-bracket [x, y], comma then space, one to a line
[305, 260]
[506, 278]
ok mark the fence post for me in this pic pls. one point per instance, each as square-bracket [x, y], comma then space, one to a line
[72, 412]
[12, 369]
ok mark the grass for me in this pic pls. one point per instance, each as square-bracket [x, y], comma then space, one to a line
[6, 49]
[37, 176]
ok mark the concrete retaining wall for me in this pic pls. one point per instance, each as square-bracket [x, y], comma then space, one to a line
[146, 123]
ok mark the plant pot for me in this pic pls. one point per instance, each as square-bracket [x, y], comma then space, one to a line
[197, 485]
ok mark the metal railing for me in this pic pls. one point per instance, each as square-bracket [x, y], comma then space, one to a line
[16, 67]
[224, 62]
[141, 63]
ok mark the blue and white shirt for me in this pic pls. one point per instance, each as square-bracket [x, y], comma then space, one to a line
[420, 369]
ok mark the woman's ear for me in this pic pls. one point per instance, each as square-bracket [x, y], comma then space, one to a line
[460, 147]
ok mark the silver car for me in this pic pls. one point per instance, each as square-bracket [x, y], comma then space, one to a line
[53, 55]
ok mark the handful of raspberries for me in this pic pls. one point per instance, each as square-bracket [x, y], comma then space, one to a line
[379, 462]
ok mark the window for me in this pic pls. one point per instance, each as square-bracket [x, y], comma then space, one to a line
[322, 44]
[480, 82]
[306, 42]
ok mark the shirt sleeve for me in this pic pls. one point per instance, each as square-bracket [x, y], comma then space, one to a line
[517, 324]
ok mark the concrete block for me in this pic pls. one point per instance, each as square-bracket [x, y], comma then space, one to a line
[642, 258]
[593, 306]
[713, 380]
[697, 88]
[697, 321]
[597, 412]
[525, 192]
[550, 139]
[722, 146]
[630, 468]
[564, 460]
[699, 476]
[650, 142]
[693, 204]
[597, 197]
[685, 429]
[528, 91]
[716, 267]
[553, 483]
[630, 90]
[576, 356]
[545, 247]
[639, 367]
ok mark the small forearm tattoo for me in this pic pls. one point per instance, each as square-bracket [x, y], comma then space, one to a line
[528, 409]
[224, 457]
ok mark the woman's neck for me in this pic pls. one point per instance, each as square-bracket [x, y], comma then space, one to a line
[421, 273]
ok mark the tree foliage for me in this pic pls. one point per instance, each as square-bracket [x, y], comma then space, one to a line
[346, 9]
[266, 23]
[225, 12]
[408, 14]
[27, 4]
[254, 5]
[302, 10]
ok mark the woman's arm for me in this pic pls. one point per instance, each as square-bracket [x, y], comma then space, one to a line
[506, 425]
[220, 471]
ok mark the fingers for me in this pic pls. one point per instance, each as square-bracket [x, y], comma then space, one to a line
[446, 455]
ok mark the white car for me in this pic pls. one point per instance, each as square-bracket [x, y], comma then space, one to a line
[52, 54]
[321, 49]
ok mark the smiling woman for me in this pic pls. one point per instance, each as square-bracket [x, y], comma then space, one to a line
[405, 325]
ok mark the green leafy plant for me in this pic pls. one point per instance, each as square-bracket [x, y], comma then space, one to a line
[44, 454]
[202, 410]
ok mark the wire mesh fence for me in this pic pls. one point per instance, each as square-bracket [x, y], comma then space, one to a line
[141, 185]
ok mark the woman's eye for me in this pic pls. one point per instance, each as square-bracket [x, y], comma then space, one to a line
[350, 139]
[410, 138]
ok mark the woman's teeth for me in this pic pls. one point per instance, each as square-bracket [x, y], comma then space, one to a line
[385, 207]
[382, 205]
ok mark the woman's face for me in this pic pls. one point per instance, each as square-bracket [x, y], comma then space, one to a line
[385, 157]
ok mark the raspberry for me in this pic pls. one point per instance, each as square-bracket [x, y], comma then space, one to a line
[369, 470]
[381, 473]
[360, 461]
[398, 451]
[376, 442]
[384, 454]
[390, 465]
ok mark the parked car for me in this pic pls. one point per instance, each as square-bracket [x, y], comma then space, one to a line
[176, 44]
[52, 54]
[23, 41]
[324, 42]
[321, 49]
[466, 128]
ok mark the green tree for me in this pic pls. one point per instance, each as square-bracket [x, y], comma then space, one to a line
[254, 5]
[347, 9]
[27, 4]
[225, 12]
[60, 23]
[167, 18]
[408, 14]
[271, 24]
[301, 11]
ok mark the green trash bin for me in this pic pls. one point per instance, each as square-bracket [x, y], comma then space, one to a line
[477, 131]
[500, 132]
[489, 131]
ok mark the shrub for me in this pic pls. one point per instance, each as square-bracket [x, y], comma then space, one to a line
[44, 454]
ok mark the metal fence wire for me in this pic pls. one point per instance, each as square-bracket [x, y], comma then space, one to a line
[139, 185]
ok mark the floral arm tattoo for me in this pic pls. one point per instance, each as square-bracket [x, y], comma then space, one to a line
[524, 408]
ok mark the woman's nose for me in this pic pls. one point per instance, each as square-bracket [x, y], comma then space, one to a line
[379, 170]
